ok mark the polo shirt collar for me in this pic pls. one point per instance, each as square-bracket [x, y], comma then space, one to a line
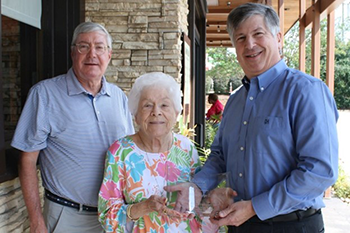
[75, 88]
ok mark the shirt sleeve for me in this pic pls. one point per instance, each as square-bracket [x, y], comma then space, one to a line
[33, 126]
[210, 112]
[111, 204]
[215, 165]
[313, 116]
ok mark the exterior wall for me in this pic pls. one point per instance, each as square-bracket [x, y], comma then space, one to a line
[146, 36]
[13, 212]
[11, 74]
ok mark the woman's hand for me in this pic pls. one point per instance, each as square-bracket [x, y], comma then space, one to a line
[182, 189]
[158, 203]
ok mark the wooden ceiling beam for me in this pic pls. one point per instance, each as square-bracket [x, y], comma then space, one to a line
[216, 23]
[324, 7]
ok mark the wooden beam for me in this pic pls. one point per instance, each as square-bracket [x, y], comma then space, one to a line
[215, 32]
[281, 16]
[216, 22]
[330, 51]
[316, 41]
[221, 9]
[302, 43]
[324, 7]
[219, 45]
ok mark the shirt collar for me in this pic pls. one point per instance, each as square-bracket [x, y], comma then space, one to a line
[246, 83]
[266, 78]
[74, 87]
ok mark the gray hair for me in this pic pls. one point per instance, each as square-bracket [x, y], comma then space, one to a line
[154, 79]
[91, 27]
[245, 11]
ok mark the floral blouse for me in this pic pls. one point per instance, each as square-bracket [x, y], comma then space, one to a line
[133, 175]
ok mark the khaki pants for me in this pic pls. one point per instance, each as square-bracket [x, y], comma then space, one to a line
[62, 219]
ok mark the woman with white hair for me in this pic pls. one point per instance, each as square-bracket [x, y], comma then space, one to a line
[132, 198]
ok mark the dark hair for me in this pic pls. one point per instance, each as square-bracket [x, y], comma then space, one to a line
[213, 97]
[245, 11]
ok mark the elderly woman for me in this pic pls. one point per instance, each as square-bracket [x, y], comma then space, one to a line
[132, 198]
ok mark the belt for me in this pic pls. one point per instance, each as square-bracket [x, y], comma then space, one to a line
[65, 202]
[294, 216]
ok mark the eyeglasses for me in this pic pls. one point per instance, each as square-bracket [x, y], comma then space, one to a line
[84, 48]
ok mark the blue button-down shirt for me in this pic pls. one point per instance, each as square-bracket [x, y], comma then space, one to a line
[278, 143]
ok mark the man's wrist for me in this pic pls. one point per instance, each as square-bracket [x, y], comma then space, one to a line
[199, 188]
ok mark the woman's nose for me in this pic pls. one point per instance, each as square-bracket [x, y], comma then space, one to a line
[156, 111]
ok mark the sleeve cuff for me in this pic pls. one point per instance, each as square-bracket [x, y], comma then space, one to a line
[262, 207]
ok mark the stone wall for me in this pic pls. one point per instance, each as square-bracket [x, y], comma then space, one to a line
[146, 36]
[13, 212]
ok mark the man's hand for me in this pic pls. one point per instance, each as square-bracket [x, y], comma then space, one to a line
[38, 227]
[220, 199]
[235, 214]
[182, 189]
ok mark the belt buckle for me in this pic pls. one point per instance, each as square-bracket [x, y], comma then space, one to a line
[80, 207]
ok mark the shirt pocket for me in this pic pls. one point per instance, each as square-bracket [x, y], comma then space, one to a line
[267, 134]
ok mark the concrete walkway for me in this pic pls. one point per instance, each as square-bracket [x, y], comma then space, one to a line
[336, 216]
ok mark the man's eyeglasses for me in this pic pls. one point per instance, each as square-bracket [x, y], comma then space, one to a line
[84, 48]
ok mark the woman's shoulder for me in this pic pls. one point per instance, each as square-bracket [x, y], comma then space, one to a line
[182, 140]
[121, 143]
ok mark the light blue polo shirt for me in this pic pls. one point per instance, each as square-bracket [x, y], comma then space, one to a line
[73, 130]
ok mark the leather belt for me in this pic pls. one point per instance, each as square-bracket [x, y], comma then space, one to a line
[65, 202]
[294, 216]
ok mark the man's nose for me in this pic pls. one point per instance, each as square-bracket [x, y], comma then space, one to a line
[249, 42]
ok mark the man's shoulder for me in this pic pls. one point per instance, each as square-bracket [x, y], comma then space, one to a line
[50, 83]
[114, 89]
[300, 77]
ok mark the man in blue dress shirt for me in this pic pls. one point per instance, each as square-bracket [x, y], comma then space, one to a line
[277, 141]
[68, 123]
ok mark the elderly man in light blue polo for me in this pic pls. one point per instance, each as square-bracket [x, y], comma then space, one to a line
[68, 123]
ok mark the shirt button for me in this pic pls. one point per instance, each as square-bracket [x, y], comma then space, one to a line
[242, 148]
[251, 98]
[244, 123]
[240, 174]
[98, 112]
[262, 88]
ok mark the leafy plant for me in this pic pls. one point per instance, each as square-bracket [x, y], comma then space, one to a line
[225, 70]
[342, 186]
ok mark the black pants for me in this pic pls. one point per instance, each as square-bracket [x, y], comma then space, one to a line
[311, 224]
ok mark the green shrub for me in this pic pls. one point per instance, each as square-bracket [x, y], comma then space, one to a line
[342, 186]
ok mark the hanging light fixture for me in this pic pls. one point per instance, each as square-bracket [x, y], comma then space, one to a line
[218, 28]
